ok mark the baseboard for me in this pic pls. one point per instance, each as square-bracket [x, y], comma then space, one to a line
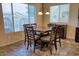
[9, 43]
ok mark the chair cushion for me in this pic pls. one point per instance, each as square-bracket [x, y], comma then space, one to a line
[37, 37]
[45, 38]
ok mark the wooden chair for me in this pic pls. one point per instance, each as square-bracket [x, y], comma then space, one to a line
[25, 34]
[64, 30]
[32, 38]
[48, 41]
[58, 34]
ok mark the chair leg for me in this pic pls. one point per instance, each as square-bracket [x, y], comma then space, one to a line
[55, 44]
[34, 47]
[60, 42]
[50, 51]
[41, 47]
[28, 45]
[50, 48]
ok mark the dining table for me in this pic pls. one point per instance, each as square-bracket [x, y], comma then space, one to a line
[44, 31]
[43, 28]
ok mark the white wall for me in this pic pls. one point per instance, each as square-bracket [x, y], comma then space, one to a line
[73, 21]
[42, 20]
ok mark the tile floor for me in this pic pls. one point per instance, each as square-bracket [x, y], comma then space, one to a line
[69, 48]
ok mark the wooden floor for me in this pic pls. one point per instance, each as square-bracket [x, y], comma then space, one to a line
[69, 48]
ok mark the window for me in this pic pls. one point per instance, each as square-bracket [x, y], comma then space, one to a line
[15, 15]
[54, 14]
[59, 13]
[20, 14]
[7, 16]
[32, 13]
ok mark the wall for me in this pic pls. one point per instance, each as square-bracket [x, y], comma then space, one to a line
[39, 17]
[73, 21]
[46, 17]
[42, 20]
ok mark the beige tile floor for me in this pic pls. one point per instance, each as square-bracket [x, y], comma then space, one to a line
[69, 48]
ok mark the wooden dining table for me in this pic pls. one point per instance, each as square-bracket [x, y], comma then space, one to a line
[44, 30]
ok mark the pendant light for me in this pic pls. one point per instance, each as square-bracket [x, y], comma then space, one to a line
[41, 11]
[47, 12]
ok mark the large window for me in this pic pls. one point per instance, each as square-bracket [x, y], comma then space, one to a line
[15, 15]
[7, 15]
[59, 13]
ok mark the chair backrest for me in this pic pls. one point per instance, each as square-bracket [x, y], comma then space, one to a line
[51, 25]
[34, 25]
[30, 32]
[58, 31]
[25, 25]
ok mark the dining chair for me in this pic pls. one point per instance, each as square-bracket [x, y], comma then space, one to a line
[58, 34]
[25, 34]
[48, 41]
[33, 39]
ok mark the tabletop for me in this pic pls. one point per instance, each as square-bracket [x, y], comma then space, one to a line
[43, 28]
